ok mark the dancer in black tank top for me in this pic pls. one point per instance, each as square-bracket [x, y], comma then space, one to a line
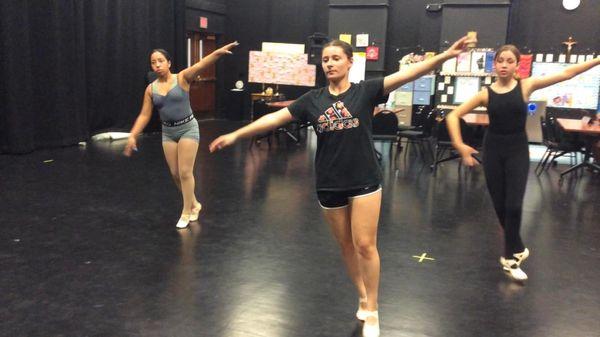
[506, 150]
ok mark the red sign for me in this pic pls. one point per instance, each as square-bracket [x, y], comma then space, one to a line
[203, 22]
[372, 53]
[524, 69]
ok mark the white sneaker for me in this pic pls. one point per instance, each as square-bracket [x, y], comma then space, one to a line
[361, 314]
[511, 267]
[371, 330]
[183, 222]
[522, 256]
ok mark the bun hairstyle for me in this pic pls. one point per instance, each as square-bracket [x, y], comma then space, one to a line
[162, 51]
[346, 47]
[511, 48]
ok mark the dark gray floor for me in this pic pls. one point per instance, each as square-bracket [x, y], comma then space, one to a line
[88, 247]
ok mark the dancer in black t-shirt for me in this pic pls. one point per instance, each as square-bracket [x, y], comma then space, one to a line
[506, 150]
[348, 175]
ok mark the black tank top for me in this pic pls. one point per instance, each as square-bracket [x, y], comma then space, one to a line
[507, 111]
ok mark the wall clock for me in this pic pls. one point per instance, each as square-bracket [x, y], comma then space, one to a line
[570, 4]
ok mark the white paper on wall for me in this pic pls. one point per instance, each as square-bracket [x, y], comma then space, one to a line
[289, 48]
[573, 59]
[359, 66]
[539, 57]
[362, 40]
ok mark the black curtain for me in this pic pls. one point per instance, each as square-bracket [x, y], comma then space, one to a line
[72, 68]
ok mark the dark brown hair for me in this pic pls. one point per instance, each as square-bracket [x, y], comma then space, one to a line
[162, 51]
[508, 47]
[346, 47]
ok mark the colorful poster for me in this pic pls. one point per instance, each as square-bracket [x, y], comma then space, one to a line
[580, 92]
[463, 62]
[281, 68]
[525, 66]
[372, 53]
[478, 62]
[489, 62]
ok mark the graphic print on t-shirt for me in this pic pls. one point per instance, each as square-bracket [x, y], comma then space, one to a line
[336, 118]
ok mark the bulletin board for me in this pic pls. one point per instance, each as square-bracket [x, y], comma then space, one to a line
[579, 92]
[281, 68]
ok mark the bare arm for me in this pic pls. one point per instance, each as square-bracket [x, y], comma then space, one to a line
[395, 80]
[453, 125]
[266, 123]
[140, 122]
[145, 113]
[534, 83]
[189, 74]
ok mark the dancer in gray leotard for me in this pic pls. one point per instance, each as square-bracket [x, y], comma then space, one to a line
[169, 94]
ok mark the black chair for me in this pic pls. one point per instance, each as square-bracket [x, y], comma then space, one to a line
[550, 147]
[558, 144]
[443, 143]
[418, 137]
[385, 129]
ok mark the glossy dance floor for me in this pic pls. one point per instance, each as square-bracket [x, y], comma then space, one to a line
[88, 247]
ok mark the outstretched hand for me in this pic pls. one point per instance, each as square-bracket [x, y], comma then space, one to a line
[226, 49]
[460, 46]
[222, 142]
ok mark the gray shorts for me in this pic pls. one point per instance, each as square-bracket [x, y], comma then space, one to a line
[187, 130]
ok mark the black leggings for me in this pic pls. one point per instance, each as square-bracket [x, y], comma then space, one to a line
[506, 166]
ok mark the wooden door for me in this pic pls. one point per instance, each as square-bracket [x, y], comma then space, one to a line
[203, 89]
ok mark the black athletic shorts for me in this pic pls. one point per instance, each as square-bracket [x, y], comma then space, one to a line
[339, 199]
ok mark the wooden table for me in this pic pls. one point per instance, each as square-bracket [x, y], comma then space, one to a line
[590, 133]
[476, 119]
[257, 95]
[280, 104]
[578, 126]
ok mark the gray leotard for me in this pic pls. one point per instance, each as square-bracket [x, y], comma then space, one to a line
[173, 106]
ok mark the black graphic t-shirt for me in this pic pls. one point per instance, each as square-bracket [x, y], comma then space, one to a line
[345, 156]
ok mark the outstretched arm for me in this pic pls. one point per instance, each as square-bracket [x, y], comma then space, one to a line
[262, 125]
[141, 122]
[395, 80]
[539, 82]
[189, 74]
[453, 124]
